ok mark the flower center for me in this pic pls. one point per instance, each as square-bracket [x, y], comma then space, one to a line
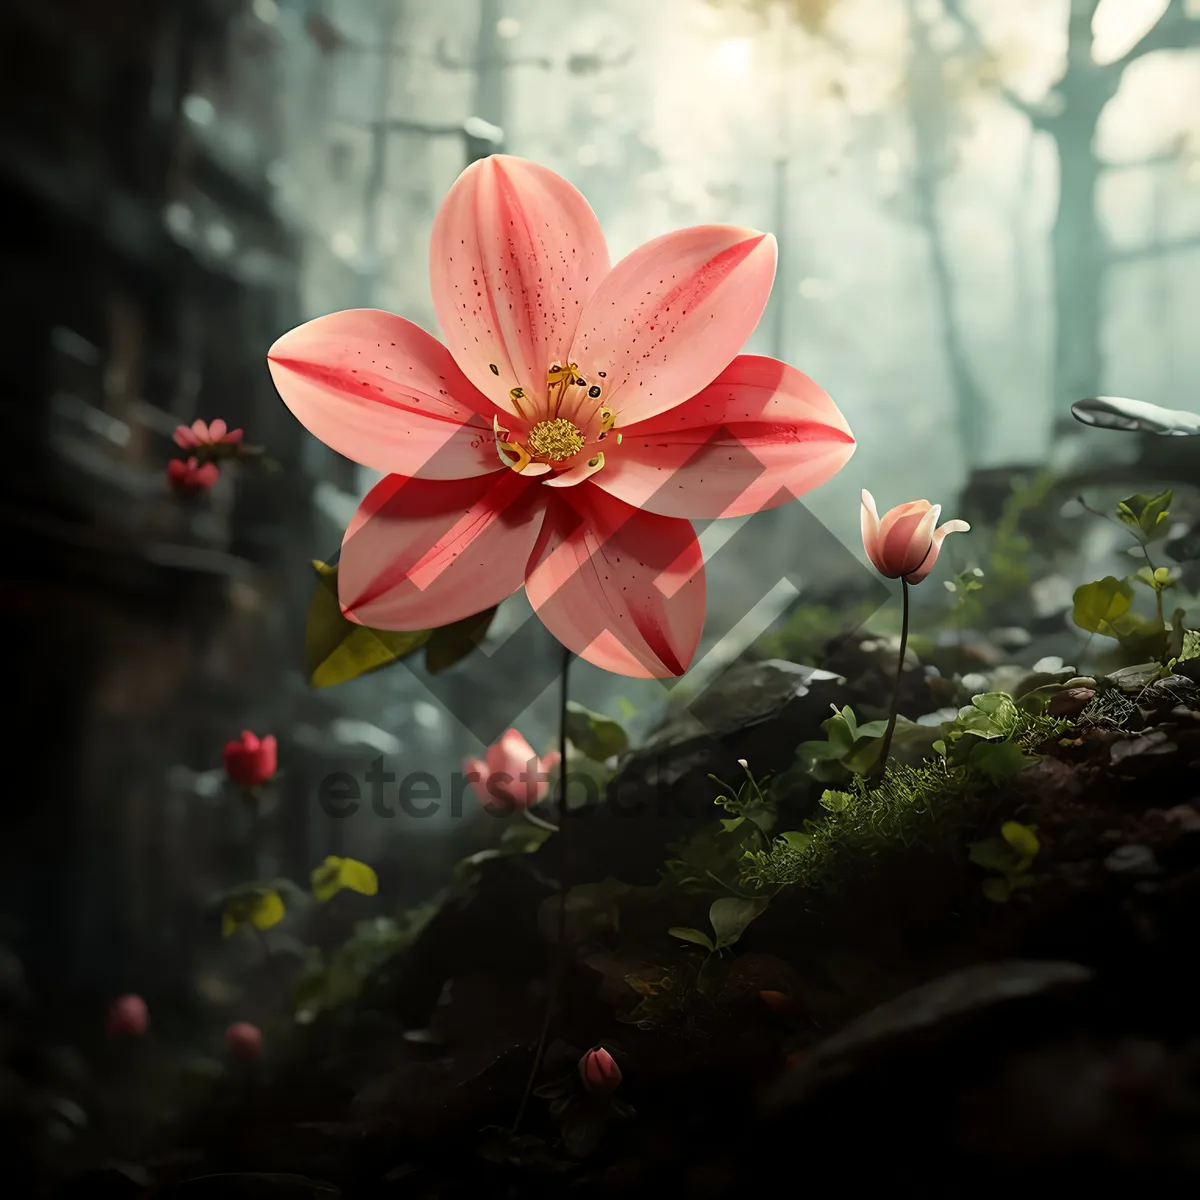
[555, 440]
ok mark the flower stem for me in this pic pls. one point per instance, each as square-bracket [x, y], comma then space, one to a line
[561, 955]
[881, 765]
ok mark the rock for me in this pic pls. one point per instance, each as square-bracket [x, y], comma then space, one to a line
[1134, 679]
[1184, 817]
[1132, 860]
[1154, 743]
[252, 1186]
[662, 793]
[933, 1010]
[1070, 702]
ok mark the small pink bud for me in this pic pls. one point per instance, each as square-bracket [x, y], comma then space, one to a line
[905, 542]
[251, 761]
[599, 1072]
[128, 1016]
[244, 1041]
[189, 478]
[511, 776]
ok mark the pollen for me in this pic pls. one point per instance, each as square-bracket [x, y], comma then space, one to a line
[555, 440]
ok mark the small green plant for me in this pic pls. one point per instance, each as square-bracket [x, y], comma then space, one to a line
[1009, 857]
[329, 982]
[729, 917]
[849, 748]
[1105, 607]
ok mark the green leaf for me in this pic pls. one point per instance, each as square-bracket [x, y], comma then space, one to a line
[692, 935]
[1191, 645]
[731, 916]
[729, 824]
[998, 760]
[939, 748]
[593, 734]
[842, 729]
[1147, 516]
[1098, 604]
[253, 907]
[990, 715]
[834, 801]
[335, 873]
[996, 888]
[1021, 838]
[451, 643]
[797, 841]
[993, 854]
[337, 650]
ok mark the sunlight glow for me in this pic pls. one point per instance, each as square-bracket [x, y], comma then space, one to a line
[732, 57]
[1119, 25]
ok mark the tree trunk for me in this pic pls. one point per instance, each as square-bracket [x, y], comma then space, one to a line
[927, 116]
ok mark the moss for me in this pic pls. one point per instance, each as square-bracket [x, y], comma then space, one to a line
[934, 804]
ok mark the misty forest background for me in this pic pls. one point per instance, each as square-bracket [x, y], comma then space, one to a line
[985, 208]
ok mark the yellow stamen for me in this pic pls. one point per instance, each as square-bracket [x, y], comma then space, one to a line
[513, 454]
[555, 440]
[607, 419]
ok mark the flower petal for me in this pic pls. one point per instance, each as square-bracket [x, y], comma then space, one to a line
[870, 532]
[760, 435]
[936, 548]
[422, 553]
[622, 588]
[381, 391]
[516, 253]
[217, 430]
[906, 544]
[671, 316]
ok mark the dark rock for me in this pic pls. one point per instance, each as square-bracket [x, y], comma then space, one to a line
[1132, 860]
[755, 711]
[931, 1011]
[492, 927]
[116, 1181]
[252, 1186]
[1070, 702]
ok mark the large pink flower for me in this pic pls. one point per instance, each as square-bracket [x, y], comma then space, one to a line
[575, 420]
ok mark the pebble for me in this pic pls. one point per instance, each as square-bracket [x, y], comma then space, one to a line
[1132, 860]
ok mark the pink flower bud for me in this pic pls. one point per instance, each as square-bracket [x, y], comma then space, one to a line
[904, 543]
[251, 761]
[244, 1041]
[189, 478]
[189, 437]
[512, 776]
[599, 1072]
[128, 1016]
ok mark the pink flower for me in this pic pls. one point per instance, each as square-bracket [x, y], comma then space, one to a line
[251, 761]
[599, 1072]
[244, 1041]
[190, 477]
[576, 420]
[905, 543]
[128, 1016]
[512, 776]
[190, 437]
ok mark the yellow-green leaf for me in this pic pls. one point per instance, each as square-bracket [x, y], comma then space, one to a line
[1021, 838]
[335, 873]
[260, 909]
[996, 889]
[336, 649]
[1098, 604]
[452, 643]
